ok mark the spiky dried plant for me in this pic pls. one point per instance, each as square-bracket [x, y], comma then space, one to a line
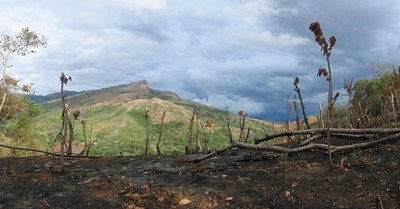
[326, 48]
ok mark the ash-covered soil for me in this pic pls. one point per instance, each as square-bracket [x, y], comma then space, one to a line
[235, 179]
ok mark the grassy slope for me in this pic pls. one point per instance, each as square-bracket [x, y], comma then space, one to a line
[120, 126]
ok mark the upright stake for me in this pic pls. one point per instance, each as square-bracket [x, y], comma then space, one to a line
[146, 117]
[159, 137]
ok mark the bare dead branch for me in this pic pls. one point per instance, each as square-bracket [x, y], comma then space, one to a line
[310, 146]
[228, 123]
[45, 152]
[338, 135]
[298, 91]
[205, 157]
[311, 139]
[379, 131]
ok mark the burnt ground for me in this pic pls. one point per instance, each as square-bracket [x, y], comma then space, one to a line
[235, 179]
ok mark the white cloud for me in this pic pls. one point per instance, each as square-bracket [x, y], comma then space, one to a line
[142, 4]
[233, 104]
[268, 39]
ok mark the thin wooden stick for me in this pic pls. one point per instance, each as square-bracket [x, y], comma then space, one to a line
[380, 201]
[205, 157]
[298, 91]
[228, 123]
[159, 137]
[45, 152]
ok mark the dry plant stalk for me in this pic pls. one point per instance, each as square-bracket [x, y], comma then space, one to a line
[228, 124]
[65, 117]
[209, 124]
[321, 122]
[206, 148]
[296, 110]
[298, 125]
[147, 118]
[242, 121]
[289, 112]
[87, 142]
[198, 144]
[298, 91]
[247, 135]
[159, 136]
[320, 39]
[348, 86]
[189, 147]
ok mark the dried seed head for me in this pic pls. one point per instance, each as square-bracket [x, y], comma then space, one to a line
[296, 80]
[332, 42]
[322, 72]
[336, 95]
[77, 113]
[314, 26]
[325, 73]
[320, 39]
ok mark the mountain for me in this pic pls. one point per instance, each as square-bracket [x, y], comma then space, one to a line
[42, 99]
[118, 94]
[116, 116]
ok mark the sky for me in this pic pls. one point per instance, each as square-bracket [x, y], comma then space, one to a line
[243, 54]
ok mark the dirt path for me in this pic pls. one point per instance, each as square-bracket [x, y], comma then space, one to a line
[237, 179]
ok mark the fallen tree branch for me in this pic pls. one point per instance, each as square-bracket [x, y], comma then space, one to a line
[354, 136]
[338, 135]
[311, 139]
[366, 144]
[310, 146]
[379, 131]
[45, 152]
[281, 149]
[205, 157]
[270, 137]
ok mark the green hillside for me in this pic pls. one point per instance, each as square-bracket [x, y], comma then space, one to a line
[117, 118]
